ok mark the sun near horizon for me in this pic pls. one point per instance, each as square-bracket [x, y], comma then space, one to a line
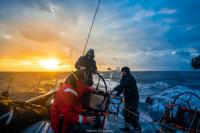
[35, 65]
[51, 64]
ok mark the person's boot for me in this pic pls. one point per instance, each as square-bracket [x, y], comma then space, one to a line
[124, 129]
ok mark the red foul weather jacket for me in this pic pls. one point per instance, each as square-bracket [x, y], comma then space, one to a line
[67, 103]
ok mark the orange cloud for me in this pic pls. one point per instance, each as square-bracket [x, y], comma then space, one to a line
[40, 33]
[26, 39]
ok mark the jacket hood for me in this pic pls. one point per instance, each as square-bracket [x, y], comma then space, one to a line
[126, 69]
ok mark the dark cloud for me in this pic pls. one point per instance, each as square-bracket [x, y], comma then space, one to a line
[187, 53]
[183, 53]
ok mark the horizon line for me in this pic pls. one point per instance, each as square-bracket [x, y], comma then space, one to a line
[108, 71]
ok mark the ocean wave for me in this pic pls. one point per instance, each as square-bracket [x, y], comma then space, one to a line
[167, 96]
[155, 85]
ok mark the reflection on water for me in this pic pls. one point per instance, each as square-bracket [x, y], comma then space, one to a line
[26, 85]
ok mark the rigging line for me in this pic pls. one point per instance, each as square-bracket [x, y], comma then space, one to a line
[144, 118]
[91, 27]
[24, 92]
[10, 83]
[192, 121]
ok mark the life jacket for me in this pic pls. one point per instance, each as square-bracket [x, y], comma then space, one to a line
[67, 105]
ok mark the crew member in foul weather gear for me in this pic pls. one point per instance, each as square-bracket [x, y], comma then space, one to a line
[129, 88]
[88, 64]
[67, 104]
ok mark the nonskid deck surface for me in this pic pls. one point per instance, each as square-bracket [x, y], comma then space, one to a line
[39, 127]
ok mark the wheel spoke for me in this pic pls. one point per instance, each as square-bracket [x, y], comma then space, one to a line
[190, 98]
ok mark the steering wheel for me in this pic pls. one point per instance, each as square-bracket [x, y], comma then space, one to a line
[104, 83]
[105, 95]
[187, 101]
[99, 111]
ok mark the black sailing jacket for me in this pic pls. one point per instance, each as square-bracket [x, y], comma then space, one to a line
[88, 63]
[128, 87]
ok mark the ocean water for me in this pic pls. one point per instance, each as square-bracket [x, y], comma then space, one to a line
[163, 86]
[25, 85]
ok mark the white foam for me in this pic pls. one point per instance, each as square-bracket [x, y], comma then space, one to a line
[168, 95]
[157, 85]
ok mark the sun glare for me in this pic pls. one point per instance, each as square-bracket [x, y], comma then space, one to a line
[51, 64]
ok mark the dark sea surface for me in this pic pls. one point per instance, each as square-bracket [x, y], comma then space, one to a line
[190, 79]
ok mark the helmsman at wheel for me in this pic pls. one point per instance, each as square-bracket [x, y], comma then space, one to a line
[88, 64]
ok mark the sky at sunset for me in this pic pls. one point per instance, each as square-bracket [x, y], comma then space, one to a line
[45, 35]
